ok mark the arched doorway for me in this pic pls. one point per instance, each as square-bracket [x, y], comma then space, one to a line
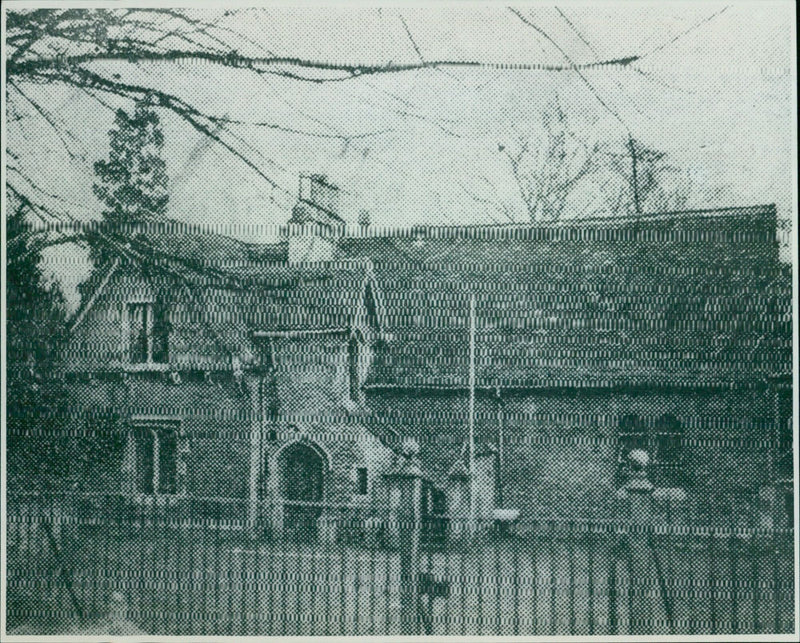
[301, 470]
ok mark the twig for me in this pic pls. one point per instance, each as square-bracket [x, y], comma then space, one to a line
[65, 574]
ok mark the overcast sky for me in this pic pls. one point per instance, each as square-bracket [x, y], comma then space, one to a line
[715, 94]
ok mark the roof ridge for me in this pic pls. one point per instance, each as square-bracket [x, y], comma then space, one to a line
[575, 222]
[171, 225]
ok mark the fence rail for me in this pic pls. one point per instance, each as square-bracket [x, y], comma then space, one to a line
[191, 567]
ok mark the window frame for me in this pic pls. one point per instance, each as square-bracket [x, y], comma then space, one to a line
[158, 430]
[149, 364]
[670, 427]
[625, 431]
[649, 435]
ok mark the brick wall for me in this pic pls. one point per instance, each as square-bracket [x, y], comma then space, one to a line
[560, 447]
[215, 417]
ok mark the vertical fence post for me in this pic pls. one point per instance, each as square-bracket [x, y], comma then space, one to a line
[639, 491]
[404, 481]
[458, 491]
[253, 389]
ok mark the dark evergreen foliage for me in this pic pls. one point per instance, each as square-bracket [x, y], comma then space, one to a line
[132, 183]
[35, 311]
[35, 331]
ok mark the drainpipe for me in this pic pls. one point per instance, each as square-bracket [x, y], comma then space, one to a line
[772, 392]
[500, 446]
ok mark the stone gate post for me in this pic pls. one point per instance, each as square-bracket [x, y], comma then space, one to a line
[404, 482]
[458, 499]
[643, 584]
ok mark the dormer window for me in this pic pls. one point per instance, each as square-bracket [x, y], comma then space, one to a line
[148, 333]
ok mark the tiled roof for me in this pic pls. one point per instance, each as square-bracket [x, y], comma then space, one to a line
[199, 246]
[221, 292]
[291, 298]
[255, 281]
[691, 298]
[687, 298]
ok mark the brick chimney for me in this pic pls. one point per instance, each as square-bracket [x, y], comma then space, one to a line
[315, 225]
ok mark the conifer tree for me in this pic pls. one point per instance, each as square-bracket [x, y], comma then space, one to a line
[132, 183]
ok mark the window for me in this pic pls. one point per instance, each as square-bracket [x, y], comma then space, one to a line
[361, 481]
[138, 328]
[148, 333]
[156, 467]
[631, 435]
[663, 440]
[667, 452]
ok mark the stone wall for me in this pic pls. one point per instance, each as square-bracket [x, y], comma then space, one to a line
[215, 415]
[213, 419]
[559, 448]
[312, 376]
[344, 447]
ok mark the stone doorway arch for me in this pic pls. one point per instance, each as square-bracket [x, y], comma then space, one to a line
[301, 468]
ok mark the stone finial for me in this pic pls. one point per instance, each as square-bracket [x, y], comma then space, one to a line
[638, 463]
[639, 459]
[410, 447]
[118, 606]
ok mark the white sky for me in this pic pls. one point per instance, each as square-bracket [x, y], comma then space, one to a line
[719, 100]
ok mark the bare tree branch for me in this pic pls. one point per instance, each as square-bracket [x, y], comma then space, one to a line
[577, 68]
[26, 30]
[549, 176]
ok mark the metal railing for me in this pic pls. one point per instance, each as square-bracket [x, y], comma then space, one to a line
[191, 567]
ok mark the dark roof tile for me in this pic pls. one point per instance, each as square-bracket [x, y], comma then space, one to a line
[693, 297]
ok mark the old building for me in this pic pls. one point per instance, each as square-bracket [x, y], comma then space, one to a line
[287, 375]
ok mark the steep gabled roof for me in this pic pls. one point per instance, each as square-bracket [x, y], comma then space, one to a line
[689, 298]
[221, 292]
[188, 250]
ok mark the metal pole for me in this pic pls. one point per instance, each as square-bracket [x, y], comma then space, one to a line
[499, 474]
[634, 178]
[472, 414]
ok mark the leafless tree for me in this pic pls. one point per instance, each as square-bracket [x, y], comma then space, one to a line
[61, 47]
[641, 179]
[550, 169]
[559, 173]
